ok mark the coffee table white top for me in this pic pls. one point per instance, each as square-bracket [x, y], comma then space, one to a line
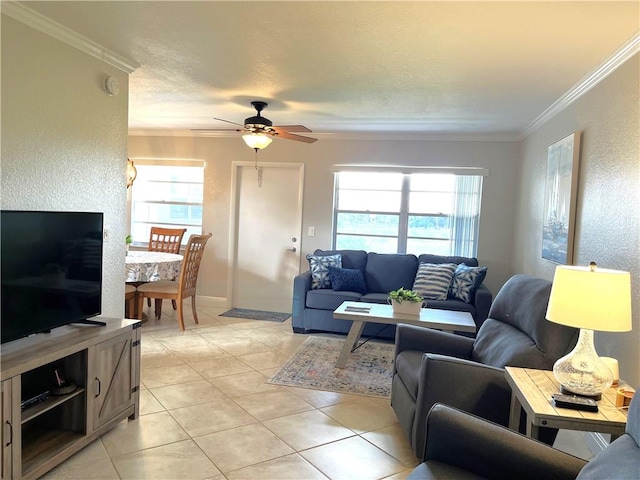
[447, 320]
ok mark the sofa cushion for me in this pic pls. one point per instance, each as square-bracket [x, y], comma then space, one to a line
[452, 304]
[350, 258]
[319, 266]
[389, 271]
[375, 298]
[522, 302]
[433, 279]
[465, 281]
[328, 299]
[349, 279]
[499, 344]
[430, 258]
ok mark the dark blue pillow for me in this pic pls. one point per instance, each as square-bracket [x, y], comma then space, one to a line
[347, 279]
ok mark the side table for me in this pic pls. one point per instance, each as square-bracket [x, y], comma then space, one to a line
[532, 389]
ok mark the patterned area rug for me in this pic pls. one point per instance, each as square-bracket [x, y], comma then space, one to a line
[368, 370]
[256, 314]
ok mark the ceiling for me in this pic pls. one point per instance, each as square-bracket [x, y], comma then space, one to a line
[440, 67]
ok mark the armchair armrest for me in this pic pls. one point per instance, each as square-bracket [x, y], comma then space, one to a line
[491, 451]
[470, 386]
[410, 337]
[482, 302]
[301, 285]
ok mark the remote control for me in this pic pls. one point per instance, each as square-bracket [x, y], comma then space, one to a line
[574, 402]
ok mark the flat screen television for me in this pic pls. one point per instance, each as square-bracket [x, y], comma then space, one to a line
[51, 270]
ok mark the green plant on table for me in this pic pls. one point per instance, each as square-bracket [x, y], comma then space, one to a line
[128, 240]
[404, 295]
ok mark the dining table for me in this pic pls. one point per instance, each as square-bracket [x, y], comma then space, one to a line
[142, 266]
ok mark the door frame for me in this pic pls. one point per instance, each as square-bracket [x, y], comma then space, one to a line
[233, 215]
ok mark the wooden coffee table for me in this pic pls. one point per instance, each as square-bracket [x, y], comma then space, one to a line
[360, 313]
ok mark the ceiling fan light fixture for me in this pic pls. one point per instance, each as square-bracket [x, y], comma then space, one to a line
[257, 141]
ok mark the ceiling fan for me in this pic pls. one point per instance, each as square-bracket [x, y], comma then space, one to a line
[257, 127]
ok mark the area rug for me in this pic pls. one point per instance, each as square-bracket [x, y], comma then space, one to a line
[256, 314]
[368, 371]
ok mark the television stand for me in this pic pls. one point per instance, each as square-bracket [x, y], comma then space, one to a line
[104, 364]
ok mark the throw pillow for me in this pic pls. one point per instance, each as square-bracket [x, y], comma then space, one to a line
[319, 266]
[433, 279]
[347, 279]
[465, 282]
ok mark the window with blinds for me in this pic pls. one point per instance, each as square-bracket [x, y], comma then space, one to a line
[168, 195]
[388, 212]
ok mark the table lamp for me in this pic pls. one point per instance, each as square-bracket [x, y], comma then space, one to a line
[588, 298]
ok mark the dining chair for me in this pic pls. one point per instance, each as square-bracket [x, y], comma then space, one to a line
[166, 240]
[130, 294]
[183, 287]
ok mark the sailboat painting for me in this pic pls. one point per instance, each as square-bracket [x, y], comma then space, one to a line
[561, 186]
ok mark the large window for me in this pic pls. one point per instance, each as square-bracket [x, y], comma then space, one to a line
[415, 213]
[166, 194]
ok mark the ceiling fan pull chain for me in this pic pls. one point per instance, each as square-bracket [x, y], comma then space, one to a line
[256, 161]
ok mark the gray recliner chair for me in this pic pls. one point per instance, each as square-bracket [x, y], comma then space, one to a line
[436, 367]
[463, 446]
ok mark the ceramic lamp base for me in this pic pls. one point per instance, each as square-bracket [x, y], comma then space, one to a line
[581, 372]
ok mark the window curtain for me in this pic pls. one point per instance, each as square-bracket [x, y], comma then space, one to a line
[466, 215]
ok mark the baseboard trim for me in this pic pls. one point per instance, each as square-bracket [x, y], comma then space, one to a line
[213, 302]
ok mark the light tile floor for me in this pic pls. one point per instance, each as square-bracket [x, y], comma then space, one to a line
[207, 413]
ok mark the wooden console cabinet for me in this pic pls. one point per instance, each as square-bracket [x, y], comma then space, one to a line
[104, 364]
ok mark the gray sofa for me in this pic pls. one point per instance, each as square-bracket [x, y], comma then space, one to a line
[313, 308]
[463, 446]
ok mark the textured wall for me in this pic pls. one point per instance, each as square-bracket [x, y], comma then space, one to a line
[498, 201]
[64, 141]
[607, 220]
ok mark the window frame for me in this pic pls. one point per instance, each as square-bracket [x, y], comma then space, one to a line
[142, 162]
[402, 238]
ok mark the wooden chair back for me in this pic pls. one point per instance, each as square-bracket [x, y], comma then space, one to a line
[188, 278]
[166, 239]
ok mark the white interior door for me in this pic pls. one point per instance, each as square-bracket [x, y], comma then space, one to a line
[268, 226]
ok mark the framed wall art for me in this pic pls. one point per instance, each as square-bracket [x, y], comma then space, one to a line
[561, 187]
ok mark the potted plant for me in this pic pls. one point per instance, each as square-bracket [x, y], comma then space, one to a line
[405, 301]
[128, 240]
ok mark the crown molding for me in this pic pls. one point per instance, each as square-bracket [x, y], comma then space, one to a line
[368, 136]
[49, 27]
[619, 57]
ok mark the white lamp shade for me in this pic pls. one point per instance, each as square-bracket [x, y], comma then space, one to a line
[597, 299]
[256, 140]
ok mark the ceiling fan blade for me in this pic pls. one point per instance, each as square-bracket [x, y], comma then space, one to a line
[227, 121]
[291, 128]
[297, 138]
[217, 129]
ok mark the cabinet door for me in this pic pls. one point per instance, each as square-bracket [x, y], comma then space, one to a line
[113, 379]
[10, 430]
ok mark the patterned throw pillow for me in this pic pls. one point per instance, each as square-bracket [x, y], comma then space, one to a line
[433, 280]
[319, 267]
[347, 279]
[465, 282]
